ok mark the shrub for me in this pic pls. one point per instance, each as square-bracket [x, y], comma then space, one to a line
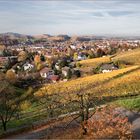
[108, 123]
[78, 65]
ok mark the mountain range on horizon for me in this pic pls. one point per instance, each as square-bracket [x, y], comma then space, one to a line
[63, 37]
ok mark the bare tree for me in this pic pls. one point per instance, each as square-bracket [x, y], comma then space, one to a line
[10, 101]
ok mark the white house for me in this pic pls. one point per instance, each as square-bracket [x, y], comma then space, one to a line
[57, 66]
[73, 47]
[81, 57]
[65, 71]
[108, 68]
[45, 72]
[28, 66]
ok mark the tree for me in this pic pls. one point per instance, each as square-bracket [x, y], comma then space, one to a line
[11, 76]
[50, 61]
[69, 74]
[22, 56]
[91, 54]
[39, 66]
[52, 102]
[77, 73]
[42, 58]
[10, 101]
[84, 100]
[75, 56]
[109, 124]
[2, 48]
[37, 59]
[100, 53]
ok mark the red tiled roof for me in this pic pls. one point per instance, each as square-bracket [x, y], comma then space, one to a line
[45, 70]
[54, 77]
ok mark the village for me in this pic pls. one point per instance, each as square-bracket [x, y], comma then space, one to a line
[57, 60]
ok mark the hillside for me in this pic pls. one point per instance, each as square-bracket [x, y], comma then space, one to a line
[94, 62]
[121, 83]
[131, 57]
[116, 83]
[99, 83]
[13, 36]
[88, 65]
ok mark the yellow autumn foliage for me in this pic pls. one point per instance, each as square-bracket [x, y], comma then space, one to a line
[22, 56]
[132, 56]
[107, 84]
[95, 61]
[11, 76]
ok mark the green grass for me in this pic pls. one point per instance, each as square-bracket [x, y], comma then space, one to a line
[131, 103]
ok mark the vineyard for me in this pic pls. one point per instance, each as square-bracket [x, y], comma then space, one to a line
[116, 83]
[131, 57]
[88, 65]
[94, 62]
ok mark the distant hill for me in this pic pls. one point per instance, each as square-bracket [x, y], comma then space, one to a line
[57, 38]
[13, 36]
[61, 37]
[43, 36]
[80, 38]
[86, 38]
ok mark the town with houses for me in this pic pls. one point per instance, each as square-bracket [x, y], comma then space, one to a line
[70, 69]
[50, 59]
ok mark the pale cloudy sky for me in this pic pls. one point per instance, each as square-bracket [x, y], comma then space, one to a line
[97, 17]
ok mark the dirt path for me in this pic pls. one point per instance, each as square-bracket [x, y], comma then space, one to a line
[56, 129]
[51, 130]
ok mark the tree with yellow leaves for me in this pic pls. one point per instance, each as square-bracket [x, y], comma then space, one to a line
[11, 76]
[75, 56]
[50, 61]
[37, 59]
[22, 56]
[2, 47]
[37, 62]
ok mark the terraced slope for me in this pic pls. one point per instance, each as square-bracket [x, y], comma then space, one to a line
[132, 56]
[99, 83]
[94, 62]
[88, 65]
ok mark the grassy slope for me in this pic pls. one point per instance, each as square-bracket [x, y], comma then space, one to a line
[94, 62]
[102, 83]
[131, 103]
[130, 56]
[89, 64]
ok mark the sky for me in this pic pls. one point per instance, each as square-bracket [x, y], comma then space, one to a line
[72, 17]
